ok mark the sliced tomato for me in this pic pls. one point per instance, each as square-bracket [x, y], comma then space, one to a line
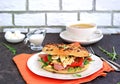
[78, 62]
[44, 57]
[89, 59]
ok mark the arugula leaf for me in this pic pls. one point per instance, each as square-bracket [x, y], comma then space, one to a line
[49, 58]
[112, 55]
[12, 49]
[70, 69]
[86, 62]
[44, 63]
[78, 75]
[77, 68]
[115, 54]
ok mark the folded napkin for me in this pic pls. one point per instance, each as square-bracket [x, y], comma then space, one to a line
[31, 78]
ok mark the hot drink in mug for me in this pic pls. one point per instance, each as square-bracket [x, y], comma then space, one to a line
[81, 30]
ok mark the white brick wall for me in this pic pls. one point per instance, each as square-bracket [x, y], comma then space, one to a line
[60, 18]
[43, 5]
[103, 19]
[106, 5]
[5, 19]
[56, 13]
[116, 20]
[77, 4]
[12, 5]
[30, 19]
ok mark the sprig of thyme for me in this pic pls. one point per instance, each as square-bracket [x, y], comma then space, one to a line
[113, 55]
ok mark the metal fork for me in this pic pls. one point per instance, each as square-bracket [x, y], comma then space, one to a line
[111, 63]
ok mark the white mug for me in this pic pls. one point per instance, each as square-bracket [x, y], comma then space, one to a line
[81, 30]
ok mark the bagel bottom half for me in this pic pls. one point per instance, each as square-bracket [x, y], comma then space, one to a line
[68, 70]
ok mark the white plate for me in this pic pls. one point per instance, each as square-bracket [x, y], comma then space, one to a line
[95, 37]
[34, 65]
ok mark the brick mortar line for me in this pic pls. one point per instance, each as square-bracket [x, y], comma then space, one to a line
[78, 15]
[21, 12]
[112, 18]
[45, 19]
[27, 5]
[109, 27]
[98, 12]
[60, 4]
[35, 11]
[94, 5]
[13, 20]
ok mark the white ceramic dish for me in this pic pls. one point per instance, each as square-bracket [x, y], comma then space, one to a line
[34, 66]
[15, 40]
[95, 37]
[15, 37]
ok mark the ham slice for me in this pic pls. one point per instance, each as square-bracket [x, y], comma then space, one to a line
[58, 66]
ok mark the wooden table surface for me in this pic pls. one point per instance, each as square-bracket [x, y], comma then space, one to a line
[9, 73]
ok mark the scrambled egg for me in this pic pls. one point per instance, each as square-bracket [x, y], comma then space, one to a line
[55, 57]
[66, 60]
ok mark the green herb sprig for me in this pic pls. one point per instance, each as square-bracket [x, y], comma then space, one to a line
[12, 49]
[77, 75]
[49, 58]
[113, 55]
[44, 63]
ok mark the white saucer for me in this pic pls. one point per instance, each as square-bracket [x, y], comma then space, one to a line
[95, 37]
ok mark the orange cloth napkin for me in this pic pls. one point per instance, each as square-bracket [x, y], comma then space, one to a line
[32, 78]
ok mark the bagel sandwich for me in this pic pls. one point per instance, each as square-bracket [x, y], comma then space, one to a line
[64, 58]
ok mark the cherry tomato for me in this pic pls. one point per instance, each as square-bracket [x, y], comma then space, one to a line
[78, 62]
[89, 59]
[44, 57]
